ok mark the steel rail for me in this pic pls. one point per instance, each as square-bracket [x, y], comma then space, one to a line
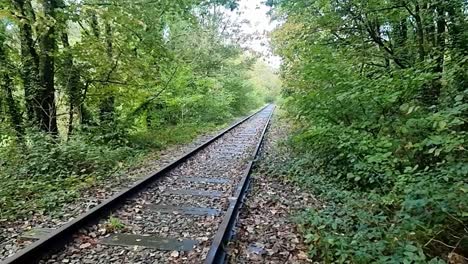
[58, 238]
[217, 253]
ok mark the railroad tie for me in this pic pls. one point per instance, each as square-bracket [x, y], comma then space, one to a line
[148, 241]
[185, 210]
[214, 194]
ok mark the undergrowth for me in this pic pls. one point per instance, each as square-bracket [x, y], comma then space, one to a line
[380, 112]
[40, 175]
[408, 216]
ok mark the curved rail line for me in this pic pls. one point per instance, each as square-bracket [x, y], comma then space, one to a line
[59, 237]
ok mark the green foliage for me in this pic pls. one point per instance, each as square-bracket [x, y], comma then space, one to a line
[170, 135]
[369, 227]
[114, 224]
[266, 81]
[381, 127]
[124, 78]
[40, 175]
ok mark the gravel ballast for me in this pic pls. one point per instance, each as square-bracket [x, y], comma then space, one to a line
[215, 161]
[11, 240]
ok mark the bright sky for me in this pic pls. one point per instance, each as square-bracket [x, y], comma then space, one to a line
[254, 12]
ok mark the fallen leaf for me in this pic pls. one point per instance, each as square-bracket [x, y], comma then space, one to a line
[85, 245]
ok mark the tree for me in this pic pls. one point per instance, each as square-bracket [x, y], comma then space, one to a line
[14, 114]
[377, 89]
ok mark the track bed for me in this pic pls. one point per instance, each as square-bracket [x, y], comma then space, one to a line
[174, 218]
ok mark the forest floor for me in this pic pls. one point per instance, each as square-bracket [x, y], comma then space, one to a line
[267, 231]
[11, 232]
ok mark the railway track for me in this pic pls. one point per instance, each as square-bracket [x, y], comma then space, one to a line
[183, 213]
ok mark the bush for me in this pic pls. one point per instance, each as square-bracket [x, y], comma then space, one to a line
[396, 195]
[381, 115]
[391, 170]
[41, 174]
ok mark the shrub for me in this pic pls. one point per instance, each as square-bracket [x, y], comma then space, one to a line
[41, 174]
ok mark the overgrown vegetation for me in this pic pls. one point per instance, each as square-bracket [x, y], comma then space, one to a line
[378, 92]
[114, 224]
[87, 86]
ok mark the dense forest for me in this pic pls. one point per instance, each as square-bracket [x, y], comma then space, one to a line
[379, 96]
[376, 92]
[89, 85]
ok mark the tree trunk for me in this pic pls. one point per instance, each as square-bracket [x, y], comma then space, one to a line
[431, 96]
[107, 107]
[12, 108]
[440, 48]
[71, 80]
[420, 33]
[440, 38]
[29, 60]
[401, 38]
[457, 26]
[429, 13]
[108, 40]
[94, 24]
[7, 86]
[48, 119]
